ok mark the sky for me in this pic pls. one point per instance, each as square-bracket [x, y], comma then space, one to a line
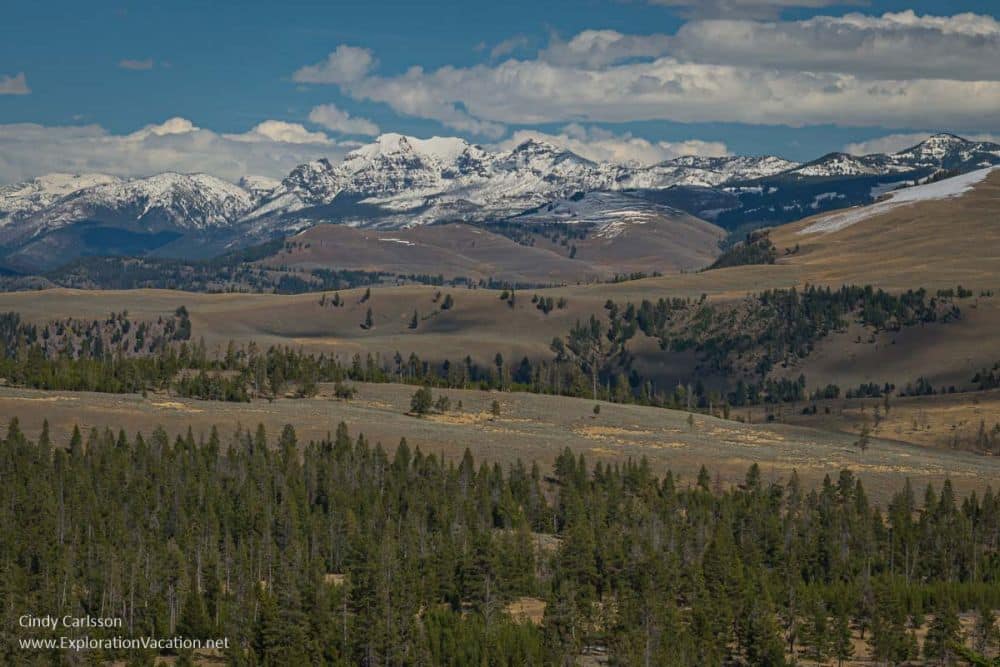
[254, 88]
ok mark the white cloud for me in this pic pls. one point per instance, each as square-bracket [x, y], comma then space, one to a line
[175, 125]
[904, 45]
[508, 46]
[894, 70]
[14, 85]
[129, 63]
[481, 99]
[893, 143]
[597, 48]
[344, 65]
[603, 145]
[333, 118]
[271, 149]
[281, 132]
[423, 95]
[747, 8]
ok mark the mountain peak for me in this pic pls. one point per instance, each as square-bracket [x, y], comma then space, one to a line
[948, 137]
[442, 149]
[934, 144]
[536, 145]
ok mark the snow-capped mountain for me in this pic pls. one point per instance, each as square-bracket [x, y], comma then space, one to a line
[941, 151]
[736, 167]
[22, 199]
[843, 164]
[168, 201]
[433, 179]
[948, 151]
[259, 186]
[837, 181]
[400, 181]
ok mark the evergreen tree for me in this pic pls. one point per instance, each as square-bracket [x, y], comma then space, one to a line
[985, 635]
[421, 401]
[943, 632]
[842, 647]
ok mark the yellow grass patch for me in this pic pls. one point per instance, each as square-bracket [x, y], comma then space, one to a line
[610, 431]
[527, 609]
[41, 399]
[174, 405]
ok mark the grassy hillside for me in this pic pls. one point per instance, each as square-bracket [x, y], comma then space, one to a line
[933, 244]
[529, 427]
[513, 253]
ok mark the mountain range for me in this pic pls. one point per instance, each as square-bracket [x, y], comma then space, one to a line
[400, 182]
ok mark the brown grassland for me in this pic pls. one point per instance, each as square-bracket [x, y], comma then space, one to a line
[936, 244]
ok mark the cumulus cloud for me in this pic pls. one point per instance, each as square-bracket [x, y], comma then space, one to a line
[597, 48]
[14, 85]
[175, 125]
[344, 65]
[129, 63]
[603, 145]
[904, 45]
[429, 95]
[893, 143]
[482, 99]
[757, 9]
[271, 149]
[894, 70]
[336, 119]
[279, 131]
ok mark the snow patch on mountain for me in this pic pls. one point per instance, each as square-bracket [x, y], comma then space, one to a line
[22, 199]
[178, 202]
[399, 181]
[607, 213]
[413, 181]
[943, 189]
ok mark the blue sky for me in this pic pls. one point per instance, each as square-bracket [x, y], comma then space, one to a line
[117, 67]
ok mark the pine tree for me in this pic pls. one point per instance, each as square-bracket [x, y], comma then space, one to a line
[421, 401]
[758, 631]
[194, 621]
[944, 631]
[816, 631]
[76, 442]
[890, 640]
[842, 647]
[985, 636]
[864, 438]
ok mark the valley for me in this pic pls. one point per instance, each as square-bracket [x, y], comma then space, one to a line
[850, 353]
[934, 244]
[532, 334]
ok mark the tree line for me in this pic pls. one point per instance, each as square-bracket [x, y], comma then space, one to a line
[737, 347]
[339, 552]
